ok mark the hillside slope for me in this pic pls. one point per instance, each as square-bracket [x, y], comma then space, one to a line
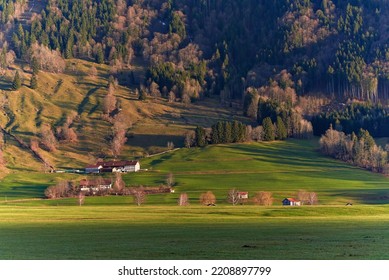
[150, 124]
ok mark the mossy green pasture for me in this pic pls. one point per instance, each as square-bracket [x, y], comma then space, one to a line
[194, 232]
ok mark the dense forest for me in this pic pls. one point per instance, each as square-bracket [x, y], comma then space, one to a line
[222, 47]
[284, 60]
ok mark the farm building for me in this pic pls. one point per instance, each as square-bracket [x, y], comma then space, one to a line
[95, 185]
[291, 202]
[114, 166]
[243, 195]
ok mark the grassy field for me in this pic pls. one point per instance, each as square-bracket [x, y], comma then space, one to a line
[114, 228]
[194, 232]
[280, 167]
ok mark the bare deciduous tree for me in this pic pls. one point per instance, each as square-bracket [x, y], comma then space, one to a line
[233, 196]
[57, 191]
[183, 200]
[67, 133]
[171, 97]
[93, 72]
[257, 133]
[49, 60]
[119, 184]
[109, 102]
[170, 180]
[207, 198]
[118, 142]
[263, 198]
[189, 139]
[139, 196]
[185, 99]
[48, 139]
[312, 198]
[303, 196]
[81, 198]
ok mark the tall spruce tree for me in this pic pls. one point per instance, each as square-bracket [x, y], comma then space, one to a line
[200, 139]
[34, 66]
[17, 82]
[281, 132]
[268, 130]
[34, 82]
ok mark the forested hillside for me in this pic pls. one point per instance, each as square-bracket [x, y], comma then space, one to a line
[220, 47]
[282, 61]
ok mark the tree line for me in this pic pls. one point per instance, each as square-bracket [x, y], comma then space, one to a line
[360, 150]
[352, 117]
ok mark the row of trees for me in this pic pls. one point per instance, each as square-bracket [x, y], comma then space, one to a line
[260, 198]
[237, 132]
[360, 150]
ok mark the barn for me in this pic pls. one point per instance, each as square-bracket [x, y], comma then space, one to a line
[113, 166]
[291, 202]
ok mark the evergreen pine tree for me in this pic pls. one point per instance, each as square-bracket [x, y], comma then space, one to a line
[17, 82]
[268, 130]
[69, 49]
[236, 132]
[281, 129]
[34, 82]
[215, 134]
[34, 66]
[227, 132]
[200, 137]
[100, 56]
[142, 95]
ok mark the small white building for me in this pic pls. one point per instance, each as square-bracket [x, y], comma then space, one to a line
[291, 202]
[95, 185]
[120, 166]
[243, 195]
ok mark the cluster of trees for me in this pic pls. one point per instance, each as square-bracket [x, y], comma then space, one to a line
[276, 107]
[260, 198]
[224, 132]
[221, 132]
[360, 150]
[352, 117]
[10, 8]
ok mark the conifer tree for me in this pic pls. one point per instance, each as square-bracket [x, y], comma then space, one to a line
[200, 137]
[142, 94]
[100, 56]
[34, 66]
[17, 82]
[34, 82]
[268, 130]
[281, 129]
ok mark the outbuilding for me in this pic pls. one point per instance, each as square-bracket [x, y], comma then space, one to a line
[291, 202]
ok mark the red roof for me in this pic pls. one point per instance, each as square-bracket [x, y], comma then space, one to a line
[112, 164]
[292, 200]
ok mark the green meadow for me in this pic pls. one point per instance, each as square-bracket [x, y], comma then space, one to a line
[112, 227]
[193, 232]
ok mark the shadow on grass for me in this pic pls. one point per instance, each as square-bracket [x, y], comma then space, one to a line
[148, 140]
[85, 101]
